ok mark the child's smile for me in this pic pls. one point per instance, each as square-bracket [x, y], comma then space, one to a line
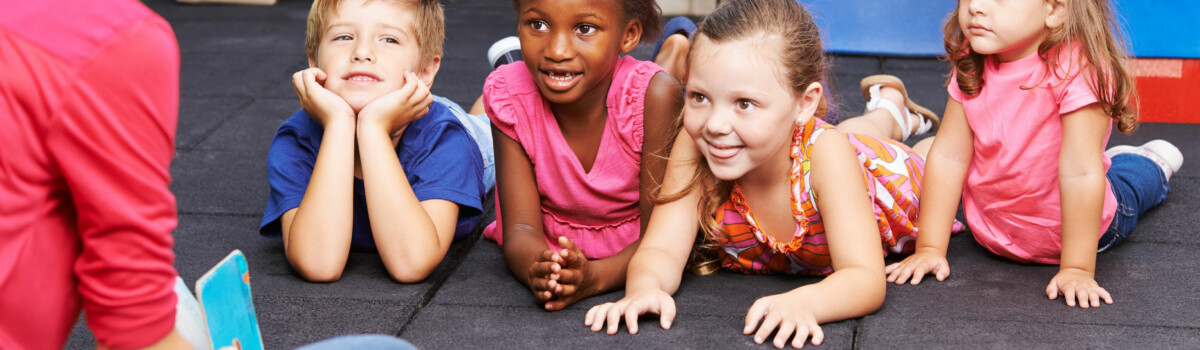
[366, 49]
[571, 46]
[740, 115]
[560, 80]
[361, 79]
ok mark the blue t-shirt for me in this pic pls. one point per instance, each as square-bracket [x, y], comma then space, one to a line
[439, 157]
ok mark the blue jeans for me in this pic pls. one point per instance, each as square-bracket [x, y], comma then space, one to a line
[360, 341]
[1139, 184]
[480, 128]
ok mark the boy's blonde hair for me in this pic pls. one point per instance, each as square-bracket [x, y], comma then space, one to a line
[429, 22]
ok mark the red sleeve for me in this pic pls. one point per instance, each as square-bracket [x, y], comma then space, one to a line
[113, 143]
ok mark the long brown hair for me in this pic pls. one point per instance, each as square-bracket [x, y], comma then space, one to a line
[791, 29]
[1101, 57]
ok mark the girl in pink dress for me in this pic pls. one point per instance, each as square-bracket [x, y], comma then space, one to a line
[576, 125]
[1037, 87]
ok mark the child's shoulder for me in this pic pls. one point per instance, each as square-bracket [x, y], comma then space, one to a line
[300, 127]
[435, 125]
[634, 73]
[300, 122]
[635, 80]
[510, 79]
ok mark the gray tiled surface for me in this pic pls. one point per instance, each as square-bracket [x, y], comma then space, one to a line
[237, 65]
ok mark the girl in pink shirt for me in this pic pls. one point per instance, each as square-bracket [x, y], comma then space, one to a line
[1036, 88]
[572, 126]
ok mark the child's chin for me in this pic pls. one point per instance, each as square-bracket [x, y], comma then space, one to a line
[357, 104]
[725, 174]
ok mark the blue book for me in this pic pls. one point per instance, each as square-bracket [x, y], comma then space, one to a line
[224, 295]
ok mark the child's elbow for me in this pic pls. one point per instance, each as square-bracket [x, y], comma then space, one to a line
[317, 271]
[319, 274]
[878, 292]
[414, 272]
[873, 284]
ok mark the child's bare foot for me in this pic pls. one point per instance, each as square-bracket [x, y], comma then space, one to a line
[673, 54]
[670, 52]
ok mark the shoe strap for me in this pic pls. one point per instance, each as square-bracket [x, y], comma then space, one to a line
[877, 101]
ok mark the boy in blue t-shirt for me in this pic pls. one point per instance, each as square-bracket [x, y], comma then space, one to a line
[373, 161]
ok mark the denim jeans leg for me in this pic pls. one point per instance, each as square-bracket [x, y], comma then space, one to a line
[1139, 185]
[480, 128]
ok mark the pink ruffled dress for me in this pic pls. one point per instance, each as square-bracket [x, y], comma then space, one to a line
[598, 210]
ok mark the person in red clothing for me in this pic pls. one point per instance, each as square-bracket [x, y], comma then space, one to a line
[88, 104]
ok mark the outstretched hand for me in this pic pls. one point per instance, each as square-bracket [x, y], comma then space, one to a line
[631, 306]
[790, 317]
[916, 266]
[1076, 284]
[321, 104]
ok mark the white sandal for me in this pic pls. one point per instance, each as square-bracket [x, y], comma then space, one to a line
[871, 87]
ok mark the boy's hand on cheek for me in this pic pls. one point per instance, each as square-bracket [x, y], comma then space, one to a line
[396, 109]
[320, 103]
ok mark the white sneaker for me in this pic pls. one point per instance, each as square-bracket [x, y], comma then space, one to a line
[504, 51]
[1162, 152]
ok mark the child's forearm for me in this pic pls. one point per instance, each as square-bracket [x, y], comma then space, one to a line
[943, 184]
[1081, 185]
[609, 273]
[945, 173]
[409, 240]
[522, 245]
[316, 235]
[663, 251]
[1082, 204]
[847, 293]
[669, 229]
[650, 269]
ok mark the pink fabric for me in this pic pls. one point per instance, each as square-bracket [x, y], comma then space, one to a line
[1011, 196]
[85, 212]
[598, 210]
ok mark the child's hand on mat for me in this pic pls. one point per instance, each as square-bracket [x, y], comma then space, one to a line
[394, 110]
[790, 316]
[543, 276]
[923, 261]
[1075, 284]
[633, 304]
[320, 103]
[570, 282]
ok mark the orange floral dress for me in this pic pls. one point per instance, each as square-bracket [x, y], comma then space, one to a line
[893, 177]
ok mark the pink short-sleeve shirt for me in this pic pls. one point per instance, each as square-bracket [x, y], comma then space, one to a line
[598, 210]
[1010, 196]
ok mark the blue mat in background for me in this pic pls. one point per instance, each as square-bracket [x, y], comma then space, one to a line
[1159, 28]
